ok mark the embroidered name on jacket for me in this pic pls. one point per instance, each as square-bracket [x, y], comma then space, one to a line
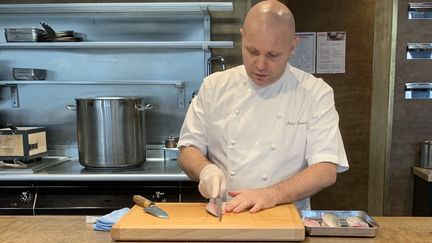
[291, 123]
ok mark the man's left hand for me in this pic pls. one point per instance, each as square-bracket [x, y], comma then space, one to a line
[253, 199]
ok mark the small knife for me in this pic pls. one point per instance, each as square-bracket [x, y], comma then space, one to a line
[150, 207]
[219, 208]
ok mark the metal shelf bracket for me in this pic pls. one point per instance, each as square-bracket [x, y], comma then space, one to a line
[14, 96]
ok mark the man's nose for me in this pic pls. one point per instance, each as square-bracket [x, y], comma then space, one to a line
[261, 62]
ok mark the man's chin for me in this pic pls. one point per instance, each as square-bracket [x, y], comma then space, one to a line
[262, 81]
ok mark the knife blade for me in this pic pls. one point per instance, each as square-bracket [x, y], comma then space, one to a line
[219, 208]
[150, 207]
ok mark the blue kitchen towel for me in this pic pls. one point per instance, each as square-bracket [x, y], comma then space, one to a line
[102, 227]
[104, 223]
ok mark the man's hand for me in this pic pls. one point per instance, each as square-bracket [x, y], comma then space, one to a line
[253, 199]
[304, 184]
[212, 182]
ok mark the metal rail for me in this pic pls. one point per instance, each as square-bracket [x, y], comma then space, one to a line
[114, 7]
[205, 45]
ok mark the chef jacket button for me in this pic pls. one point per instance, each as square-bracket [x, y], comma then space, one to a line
[273, 147]
[279, 116]
[232, 173]
[237, 111]
[264, 177]
[233, 141]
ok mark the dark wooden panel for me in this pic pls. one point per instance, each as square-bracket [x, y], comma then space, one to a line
[352, 91]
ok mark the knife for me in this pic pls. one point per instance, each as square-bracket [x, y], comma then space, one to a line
[219, 208]
[150, 207]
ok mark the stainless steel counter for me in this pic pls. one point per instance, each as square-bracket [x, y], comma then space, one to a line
[71, 170]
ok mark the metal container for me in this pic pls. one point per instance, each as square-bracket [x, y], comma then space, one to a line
[111, 131]
[171, 142]
[24, 34]
[426, 155]
[344, 230]
[29, 73]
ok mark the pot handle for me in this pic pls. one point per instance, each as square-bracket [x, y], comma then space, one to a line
[71, 107]
[143, 108]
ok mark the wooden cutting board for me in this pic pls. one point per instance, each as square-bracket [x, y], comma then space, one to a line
[191, 222]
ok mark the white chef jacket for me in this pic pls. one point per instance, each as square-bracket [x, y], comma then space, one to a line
[260, 136]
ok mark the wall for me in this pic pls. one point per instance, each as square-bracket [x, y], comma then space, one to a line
[352, 91]
[411, 118]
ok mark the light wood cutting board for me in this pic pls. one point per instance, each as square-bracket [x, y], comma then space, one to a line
[190, 221]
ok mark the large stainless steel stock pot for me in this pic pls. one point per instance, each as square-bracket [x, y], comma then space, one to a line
[111, 131]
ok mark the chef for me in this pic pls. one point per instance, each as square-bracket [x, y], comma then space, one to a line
[263, 133]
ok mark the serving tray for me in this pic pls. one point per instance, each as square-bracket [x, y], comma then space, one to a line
[344, 230]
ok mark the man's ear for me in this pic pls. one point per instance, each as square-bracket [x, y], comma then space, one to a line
[241, 32]
[295, 42]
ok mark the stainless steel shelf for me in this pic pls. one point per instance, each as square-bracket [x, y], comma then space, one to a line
[419, 51]
[419, 46]
[420, 10]
[122, 45]
[14, 86]
[177, 83]
[418, 91]
[198, 7]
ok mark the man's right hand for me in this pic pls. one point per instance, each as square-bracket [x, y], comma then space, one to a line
[212, 182]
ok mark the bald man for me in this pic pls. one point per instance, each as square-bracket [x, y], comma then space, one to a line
[263, 133]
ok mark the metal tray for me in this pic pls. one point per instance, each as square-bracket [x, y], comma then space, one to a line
[345, 230]
[29, 73]
[23, 34]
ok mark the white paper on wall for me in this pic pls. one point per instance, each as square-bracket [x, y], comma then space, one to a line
[304, 55]
[331, 52]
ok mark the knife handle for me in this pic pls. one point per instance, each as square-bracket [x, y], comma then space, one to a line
[142, 201]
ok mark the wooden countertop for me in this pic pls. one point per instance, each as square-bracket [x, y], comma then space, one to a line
[425, 174]
[43, 229]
